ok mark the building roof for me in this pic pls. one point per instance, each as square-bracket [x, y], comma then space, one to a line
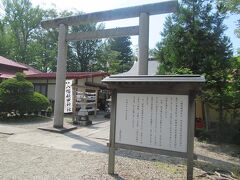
[10, 68]
[69, 75]
[30, 70]
[156, 79]
[6, 75]
[8, 62]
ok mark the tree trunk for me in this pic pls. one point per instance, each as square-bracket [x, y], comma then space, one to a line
[221, 120]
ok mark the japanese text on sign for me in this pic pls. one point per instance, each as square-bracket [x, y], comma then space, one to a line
[68, 97]
[152, 120]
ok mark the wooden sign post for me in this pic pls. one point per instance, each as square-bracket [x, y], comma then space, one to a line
[153, 114]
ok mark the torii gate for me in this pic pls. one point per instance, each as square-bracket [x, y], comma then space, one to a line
[143, 12]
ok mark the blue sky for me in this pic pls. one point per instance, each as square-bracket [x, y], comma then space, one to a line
[156, 22]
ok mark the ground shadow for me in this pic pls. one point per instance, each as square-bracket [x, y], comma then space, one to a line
[88, 145]
[117, 177]
[228, 149]
[207, 164]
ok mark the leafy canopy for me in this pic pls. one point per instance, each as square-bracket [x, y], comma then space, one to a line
[194, 41]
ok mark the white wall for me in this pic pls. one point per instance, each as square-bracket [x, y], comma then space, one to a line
[51, 84]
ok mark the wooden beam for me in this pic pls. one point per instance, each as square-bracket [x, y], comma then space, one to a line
[109, 15]
[117, 32]
[96, 85]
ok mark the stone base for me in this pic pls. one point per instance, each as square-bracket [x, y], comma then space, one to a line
[64, 129]
[83, 123]
[82, 120]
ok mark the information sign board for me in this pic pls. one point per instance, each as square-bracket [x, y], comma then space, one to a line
[152, 120]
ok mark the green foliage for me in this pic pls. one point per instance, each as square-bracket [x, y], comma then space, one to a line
[83, 54]
[123, 46]
[38, 102]
[16, 92]
[179, 71]
[49, 109]
[107, 60]
[232, 6]
[17, 95]
[193, 39]
[22, 19]
[24, 40]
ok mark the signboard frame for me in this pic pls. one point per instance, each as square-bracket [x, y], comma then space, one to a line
[174, 85]
[152, 121]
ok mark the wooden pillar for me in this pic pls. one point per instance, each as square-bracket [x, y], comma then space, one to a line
[111, 160]
[190, 137]
[143, 43]
[60, 77]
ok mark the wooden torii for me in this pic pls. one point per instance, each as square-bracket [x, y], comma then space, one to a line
[143, 12]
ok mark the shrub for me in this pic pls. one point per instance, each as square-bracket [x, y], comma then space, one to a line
[39, 102]
[16, 92]
[17, 95]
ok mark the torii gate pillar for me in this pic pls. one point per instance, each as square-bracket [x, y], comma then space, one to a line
[143, 44]
[60, 77]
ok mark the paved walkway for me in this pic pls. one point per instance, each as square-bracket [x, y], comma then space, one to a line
[86, 139]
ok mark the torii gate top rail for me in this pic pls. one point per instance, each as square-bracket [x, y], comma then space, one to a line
[109, 15]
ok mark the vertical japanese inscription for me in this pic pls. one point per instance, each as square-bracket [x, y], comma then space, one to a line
[152, 120]
[68, 97]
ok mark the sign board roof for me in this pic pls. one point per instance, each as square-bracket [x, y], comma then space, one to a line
[158, 78]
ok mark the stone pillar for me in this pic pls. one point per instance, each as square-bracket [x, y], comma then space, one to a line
[143, 44]
[60, 77]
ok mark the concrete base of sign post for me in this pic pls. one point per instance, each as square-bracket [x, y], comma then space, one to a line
[64, 129]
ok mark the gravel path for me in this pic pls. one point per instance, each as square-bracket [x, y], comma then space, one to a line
[20, 161]
[23, 161]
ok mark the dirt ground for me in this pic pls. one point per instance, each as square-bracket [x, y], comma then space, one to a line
[22, 160]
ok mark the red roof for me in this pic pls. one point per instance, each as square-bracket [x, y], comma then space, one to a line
[8, 62]
[10, 68]
[69, 75]
[6, 75]
[30, 70]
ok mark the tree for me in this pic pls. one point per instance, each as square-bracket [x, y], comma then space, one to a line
[82, 54]
[22, 18]
[123, 46]
[234, 88]
[5, 39]
[193, 38]
[43, 47]
[107, 60]
[232, 6]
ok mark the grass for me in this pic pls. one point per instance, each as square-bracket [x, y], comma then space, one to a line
[201, 165]
[171, 168]
[236, 172]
